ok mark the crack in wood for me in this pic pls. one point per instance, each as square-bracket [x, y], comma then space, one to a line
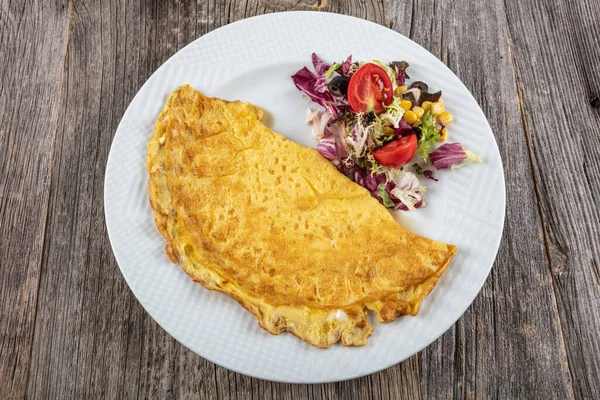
[596, 271]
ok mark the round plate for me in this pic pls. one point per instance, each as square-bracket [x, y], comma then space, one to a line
[253, 60]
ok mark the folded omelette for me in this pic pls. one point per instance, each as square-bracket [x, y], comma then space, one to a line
[274, 225]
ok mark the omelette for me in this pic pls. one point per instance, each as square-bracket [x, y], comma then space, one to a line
[274, 225]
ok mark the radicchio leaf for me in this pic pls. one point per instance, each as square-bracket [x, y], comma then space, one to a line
[400, 68]
[403, 129]
[315, 86]
[346, 65]
[429, 174]
[452, 155]
[326, 147]
[321, 66]
[306, 81]
[409, 193]
[319, 121]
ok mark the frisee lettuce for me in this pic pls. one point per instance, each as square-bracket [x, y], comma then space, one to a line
[429, 135]
[331, 70]
[373, 165]
[390, 71]
[393, 112]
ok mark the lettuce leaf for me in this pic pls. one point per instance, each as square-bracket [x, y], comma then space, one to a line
[384, 195]
[409, 192]
[429, 135]
[453, 155]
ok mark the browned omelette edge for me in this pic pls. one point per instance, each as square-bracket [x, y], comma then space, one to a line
[297, 320]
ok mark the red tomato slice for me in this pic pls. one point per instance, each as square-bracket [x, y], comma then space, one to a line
[370, 89]
[398, 152]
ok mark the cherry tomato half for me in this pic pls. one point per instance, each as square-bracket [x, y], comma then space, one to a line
[398, 152]
[370, 89]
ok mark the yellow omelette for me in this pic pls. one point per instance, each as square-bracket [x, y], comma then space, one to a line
[274, 225]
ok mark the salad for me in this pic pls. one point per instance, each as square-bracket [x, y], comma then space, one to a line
[374, 126]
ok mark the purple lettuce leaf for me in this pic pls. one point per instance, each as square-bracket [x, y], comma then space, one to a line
[452, 155]
[409, 193]
[429, 174]
[400, 78]
[306, 82]
[400, 69]
[403, 129]
[447, 155]
[321, 69]
[332, 144]
[326, 147]
[402, 206]
[321, 66]
[346, 65]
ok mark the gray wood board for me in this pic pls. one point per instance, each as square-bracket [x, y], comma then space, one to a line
[563, 133]
[30, 86]
[508, 344]
[531, 333]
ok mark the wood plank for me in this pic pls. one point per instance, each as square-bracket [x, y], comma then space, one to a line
[563, 132]
[32, 65]
[508, 344]
[93, 339]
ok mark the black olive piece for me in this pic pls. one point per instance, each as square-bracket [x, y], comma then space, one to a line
[422, 86]
[371, 116]
[414, 95]
[418, 132]
[432, 97]
[338, 86]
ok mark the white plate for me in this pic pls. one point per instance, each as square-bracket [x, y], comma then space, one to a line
[253, 60]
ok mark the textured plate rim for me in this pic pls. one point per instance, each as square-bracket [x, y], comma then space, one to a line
[224, 363]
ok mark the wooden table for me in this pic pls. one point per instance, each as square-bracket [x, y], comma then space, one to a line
[71, 328]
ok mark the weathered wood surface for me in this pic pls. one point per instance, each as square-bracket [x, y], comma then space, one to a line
[505, 345]
[30, 91]
[563, 134]
[69, 325]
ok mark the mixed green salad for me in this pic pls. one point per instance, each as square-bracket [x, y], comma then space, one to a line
[372, 124]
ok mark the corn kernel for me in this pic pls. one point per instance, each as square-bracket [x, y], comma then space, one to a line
[426, 105]
[437, 108]
[410, 117]
[400, 89]
[405, 105]
[443, 135]
[445, 118]
[419, 111]
[388, 130]
[416, 123]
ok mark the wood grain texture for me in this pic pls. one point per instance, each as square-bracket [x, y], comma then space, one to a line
[30, 84]
[563, 133]
[531, 333]
[508, 344]
[89, 327]
[93, 340]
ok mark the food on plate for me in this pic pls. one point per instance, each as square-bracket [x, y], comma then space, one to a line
[273, 224]
[370, 89]
[373, 124]
[397, 153]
